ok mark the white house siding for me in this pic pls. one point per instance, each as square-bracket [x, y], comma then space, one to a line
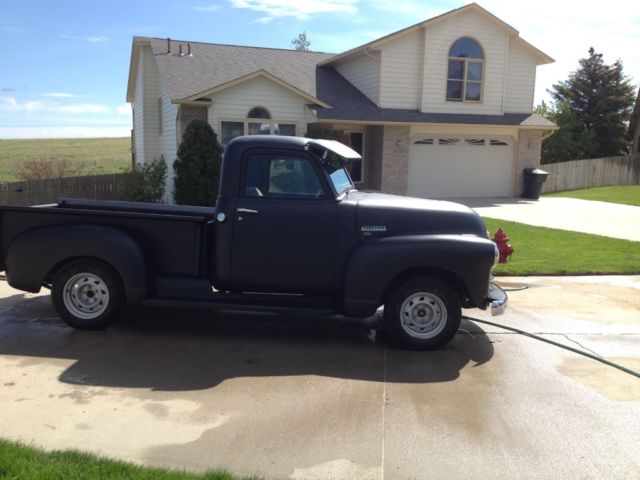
[521, 79]
[364, 73]
[139, 113]
[146, 108]
[439, 39]
[169, 137]
[234, 103]
[401, 71]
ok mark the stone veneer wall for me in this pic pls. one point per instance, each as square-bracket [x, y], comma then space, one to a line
[528, 155]
[395, 159]
[190, 113]
[373, 157]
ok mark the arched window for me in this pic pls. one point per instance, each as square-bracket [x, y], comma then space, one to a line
[466, 71]
[259, 112]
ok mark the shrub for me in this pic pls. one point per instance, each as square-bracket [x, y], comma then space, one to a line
[50, 168]
[146, 185]
[197, 167]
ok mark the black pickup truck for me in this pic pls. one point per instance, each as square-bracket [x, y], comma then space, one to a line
[289, 231]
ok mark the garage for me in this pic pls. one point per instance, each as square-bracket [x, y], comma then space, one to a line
[446, 166]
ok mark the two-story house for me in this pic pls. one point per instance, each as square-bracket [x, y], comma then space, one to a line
[440, 109]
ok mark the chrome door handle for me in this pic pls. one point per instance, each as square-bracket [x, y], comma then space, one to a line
[246, 210]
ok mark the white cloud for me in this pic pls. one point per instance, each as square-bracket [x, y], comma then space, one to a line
[124, 109]
[10, 104]
[81, 108]
[90, 38]
[64, 95]
[208, 8]
[97, 39]
[302, 10]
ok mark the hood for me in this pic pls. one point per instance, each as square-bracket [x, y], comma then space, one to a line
[381, 214]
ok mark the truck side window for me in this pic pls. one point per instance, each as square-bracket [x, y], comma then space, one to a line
[281, 176]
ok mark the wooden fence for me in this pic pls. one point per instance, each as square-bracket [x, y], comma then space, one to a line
[596, 172]
[39, 192]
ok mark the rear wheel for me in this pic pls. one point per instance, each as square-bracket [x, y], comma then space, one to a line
[87, 294]
[422, 313]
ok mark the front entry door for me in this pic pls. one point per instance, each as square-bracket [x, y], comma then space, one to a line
[285, 228]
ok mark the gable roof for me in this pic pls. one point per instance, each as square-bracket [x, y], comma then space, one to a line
[213, 65]
[542, 57]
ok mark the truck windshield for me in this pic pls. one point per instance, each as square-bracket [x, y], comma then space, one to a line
[333, 164]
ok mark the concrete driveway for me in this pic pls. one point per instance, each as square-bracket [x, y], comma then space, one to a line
[317, 399]
[587, 216]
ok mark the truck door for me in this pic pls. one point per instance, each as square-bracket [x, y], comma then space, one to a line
[285, 227]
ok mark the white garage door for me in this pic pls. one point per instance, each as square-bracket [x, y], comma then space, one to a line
[451, 166]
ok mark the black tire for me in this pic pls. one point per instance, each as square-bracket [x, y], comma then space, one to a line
[422, 313]
[87, 294]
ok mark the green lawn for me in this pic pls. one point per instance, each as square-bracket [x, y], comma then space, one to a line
[25, 463]
[101, 155]
[626, 194]
[547, 251]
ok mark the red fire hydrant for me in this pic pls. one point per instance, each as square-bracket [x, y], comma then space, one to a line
[504, 248]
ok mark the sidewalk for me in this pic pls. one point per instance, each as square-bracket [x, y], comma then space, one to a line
[587, 216]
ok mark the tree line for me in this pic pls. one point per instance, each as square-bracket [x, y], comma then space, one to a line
[592, 108]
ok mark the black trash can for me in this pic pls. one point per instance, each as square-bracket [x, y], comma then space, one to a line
[533, 180]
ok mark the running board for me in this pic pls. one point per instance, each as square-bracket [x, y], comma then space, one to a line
[248, 303]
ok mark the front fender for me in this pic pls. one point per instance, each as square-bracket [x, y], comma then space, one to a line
[34, 253]
[377, 262]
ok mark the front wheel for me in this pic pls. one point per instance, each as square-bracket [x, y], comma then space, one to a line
[87, 294]
[422, 313]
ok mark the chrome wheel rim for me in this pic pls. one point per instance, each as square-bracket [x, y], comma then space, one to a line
[423, 315]
[86, 296]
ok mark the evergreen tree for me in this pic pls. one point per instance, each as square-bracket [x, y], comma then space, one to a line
[573, 141]
[301, 42]
[602, 98]
[197, 167]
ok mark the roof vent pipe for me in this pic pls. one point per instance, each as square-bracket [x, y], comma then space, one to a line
[168, 45]
[189, 49]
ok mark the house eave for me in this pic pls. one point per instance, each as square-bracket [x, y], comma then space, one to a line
[138, 42]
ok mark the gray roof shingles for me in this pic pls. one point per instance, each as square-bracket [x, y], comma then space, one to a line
[213, 65]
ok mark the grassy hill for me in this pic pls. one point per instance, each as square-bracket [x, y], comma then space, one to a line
[100, 155]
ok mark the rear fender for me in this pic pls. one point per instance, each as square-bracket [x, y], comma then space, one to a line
[376, 264]
[35, 253]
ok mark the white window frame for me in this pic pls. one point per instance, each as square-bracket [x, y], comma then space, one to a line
[246, 121]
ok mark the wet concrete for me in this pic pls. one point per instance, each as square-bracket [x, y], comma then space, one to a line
[315, 398]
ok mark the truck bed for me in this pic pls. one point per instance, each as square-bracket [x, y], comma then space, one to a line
[174, 236]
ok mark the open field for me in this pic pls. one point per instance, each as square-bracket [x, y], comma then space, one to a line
[101, 155]
[548, 251]
[625, 194]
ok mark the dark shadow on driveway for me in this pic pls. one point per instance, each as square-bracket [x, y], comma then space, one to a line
[181, 350]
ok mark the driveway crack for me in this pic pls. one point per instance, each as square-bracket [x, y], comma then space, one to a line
[580, 345]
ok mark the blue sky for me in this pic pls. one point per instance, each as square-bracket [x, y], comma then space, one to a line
[65, 64]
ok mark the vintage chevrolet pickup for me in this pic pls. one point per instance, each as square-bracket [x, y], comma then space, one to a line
[289, 231]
